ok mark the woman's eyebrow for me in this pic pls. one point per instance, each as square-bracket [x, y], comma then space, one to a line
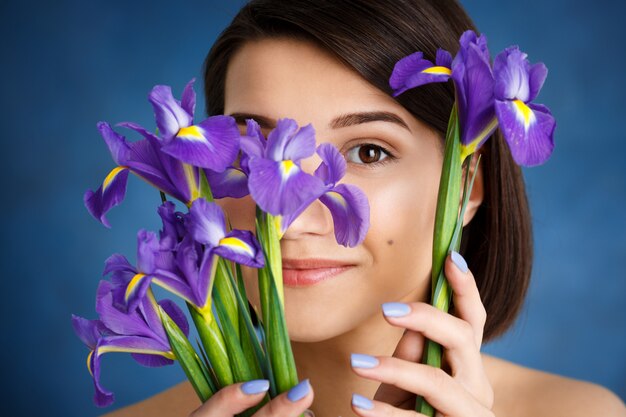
[344, 120]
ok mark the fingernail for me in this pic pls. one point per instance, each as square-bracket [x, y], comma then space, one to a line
[360, 401]
[255, 386]
[299, 391]
[358, 360]
[396, 309]
[309, 413]
[459, 261]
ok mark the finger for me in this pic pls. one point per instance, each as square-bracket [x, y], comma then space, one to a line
[289, 404]
[363, 406]
[455, 335]
[467, 303]
[410, 349]
[233, 399]
[439, 388]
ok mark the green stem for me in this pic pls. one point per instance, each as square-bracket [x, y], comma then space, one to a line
[187, 357]
[445, 223]
[213, 343]
[278, 345]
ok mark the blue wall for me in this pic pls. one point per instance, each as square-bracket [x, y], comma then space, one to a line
[68, 64]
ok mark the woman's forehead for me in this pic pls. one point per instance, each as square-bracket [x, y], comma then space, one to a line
[293, 78]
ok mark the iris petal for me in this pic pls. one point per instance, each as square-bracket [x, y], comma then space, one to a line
[116, 143]
[114, 319]
[414, 70]
[188, 99]
[133, 344]
[88, 331]
[474, 82]
[350, 211]
[281, 189]
[212, 144]
[109, 195]
[537, 76]
[242, 247]
[102, 397]
[233, 182]
[169, 114]
[333, 166]
[528, 130]
[205, 222]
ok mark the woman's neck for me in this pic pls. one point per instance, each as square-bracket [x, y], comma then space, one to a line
[327, 364]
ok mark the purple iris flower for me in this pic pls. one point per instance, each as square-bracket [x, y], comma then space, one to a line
[213, 143]
[527, 127]
[182, 261]
[139, 332]
[473, 81]
[348, 205]
[154, 158]
[414, 70]
[276, 182]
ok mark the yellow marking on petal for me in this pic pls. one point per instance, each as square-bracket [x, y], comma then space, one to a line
[524, 111]
[132, 285]
[287, 166]
[194, 187]
[236, 243]
[191, 132]
[111, 176]
[108, 349]
[470, 148]
[438, 70]
[278, 225]
[338, 198]
[172, 290]
[89, 363]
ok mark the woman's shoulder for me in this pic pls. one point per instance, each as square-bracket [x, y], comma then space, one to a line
[522, 392]
[179, 400]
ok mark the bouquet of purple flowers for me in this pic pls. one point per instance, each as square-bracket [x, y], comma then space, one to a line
[197, 256]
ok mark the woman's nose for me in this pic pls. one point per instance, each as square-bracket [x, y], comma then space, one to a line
[315, 220]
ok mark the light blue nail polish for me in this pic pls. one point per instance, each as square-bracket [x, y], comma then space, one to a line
[360, 401]
[459, 261]
[255, 386]
[358, 360]
[299, 391]
[396, 309]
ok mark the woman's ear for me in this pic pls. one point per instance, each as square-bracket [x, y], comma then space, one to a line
[478, 192]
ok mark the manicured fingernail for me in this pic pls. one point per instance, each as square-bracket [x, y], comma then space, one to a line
[309, 413]
[459, 261]
[358, 360]
[299, 391]
[255, 386]
[360, 401]
[396, 309]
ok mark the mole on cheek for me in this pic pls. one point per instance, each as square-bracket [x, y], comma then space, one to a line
[390, 242]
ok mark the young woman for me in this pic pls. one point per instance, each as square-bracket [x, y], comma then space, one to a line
[361, 328]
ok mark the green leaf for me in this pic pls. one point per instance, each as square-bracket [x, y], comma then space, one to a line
[187, 357]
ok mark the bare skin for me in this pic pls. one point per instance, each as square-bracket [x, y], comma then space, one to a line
[333, 319]
[513, 385]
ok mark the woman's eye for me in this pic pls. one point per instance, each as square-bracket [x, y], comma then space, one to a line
[366, 154]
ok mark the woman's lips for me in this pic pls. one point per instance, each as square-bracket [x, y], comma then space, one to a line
[307, 272]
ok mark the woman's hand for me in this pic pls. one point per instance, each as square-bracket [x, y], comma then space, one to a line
[239, 397]
[465, 391]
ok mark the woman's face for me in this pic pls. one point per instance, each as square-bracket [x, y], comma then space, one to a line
[392, 157]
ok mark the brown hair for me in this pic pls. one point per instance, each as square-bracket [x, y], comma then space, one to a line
[370, 36]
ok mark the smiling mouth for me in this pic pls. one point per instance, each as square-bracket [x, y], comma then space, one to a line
[308, 272]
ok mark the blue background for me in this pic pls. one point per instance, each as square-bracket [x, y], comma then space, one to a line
[68, 64]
